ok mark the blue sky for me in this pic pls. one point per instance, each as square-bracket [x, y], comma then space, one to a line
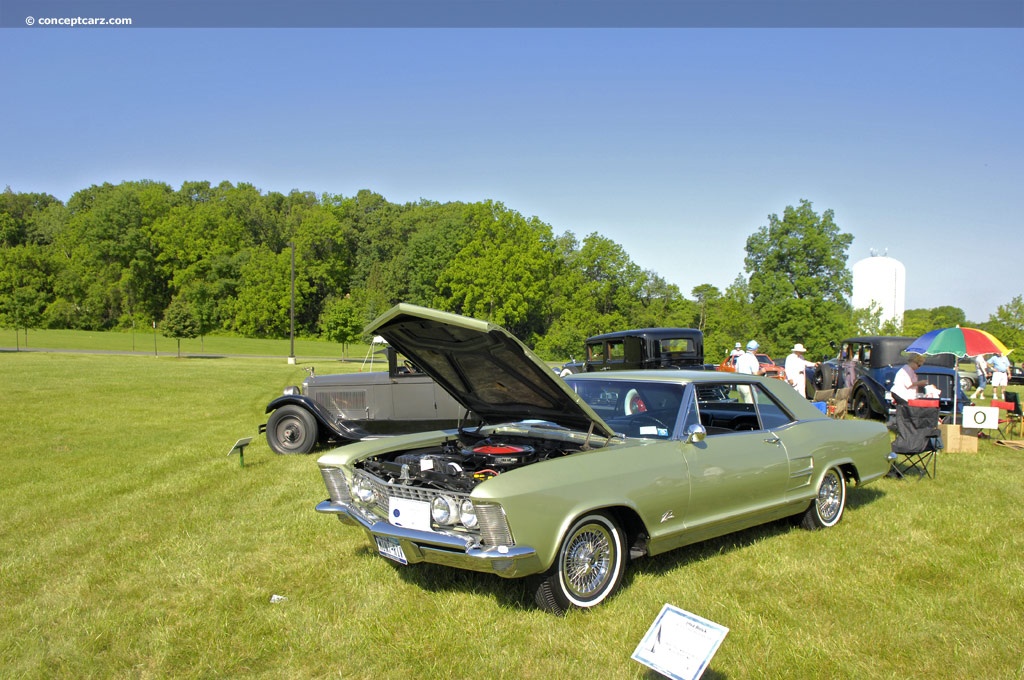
[675, 143]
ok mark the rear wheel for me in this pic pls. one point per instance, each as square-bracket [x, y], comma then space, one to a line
[291, 429]
[966, 384]
[827, 508]
[862, 405]
[588, 568]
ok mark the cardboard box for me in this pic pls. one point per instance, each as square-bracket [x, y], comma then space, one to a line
[955, 440]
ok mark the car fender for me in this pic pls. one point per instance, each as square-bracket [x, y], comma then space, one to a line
[542, 501]
[875, 391]
[327, 425]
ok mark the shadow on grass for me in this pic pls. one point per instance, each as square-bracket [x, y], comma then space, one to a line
[518, 593]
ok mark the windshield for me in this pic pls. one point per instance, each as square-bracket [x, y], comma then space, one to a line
[634, 408]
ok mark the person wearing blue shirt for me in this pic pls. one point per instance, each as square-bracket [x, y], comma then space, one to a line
[1000, 372]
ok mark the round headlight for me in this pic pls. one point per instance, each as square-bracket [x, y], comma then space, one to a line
[467, 514]
[362, 490]
[444, 510]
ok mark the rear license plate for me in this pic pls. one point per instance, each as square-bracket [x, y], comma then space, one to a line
[389, 548]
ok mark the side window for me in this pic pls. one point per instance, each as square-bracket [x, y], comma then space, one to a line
[772, 415]
[616, 351]
[725, 408]
[595, 351]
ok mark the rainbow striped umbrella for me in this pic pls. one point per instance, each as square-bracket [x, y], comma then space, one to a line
[963, 342]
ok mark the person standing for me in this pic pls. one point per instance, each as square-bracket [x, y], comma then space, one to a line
[1000, 372]
[906, 382]
[981, 369]
[747, 362]
[796, 369]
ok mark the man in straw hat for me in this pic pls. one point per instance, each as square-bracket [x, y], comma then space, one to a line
[796, 369]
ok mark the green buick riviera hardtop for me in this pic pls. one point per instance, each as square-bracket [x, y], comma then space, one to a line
[569, 479]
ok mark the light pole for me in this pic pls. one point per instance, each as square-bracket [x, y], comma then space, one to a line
[291, 357]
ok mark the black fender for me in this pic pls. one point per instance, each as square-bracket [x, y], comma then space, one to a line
[328, 428]
[876, 395]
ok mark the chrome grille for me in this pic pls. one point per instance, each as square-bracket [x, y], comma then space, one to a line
[493, 528]
[337, 489]
[944, 383]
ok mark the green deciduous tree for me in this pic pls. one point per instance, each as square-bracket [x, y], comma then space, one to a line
[262, 307]
[502, 273]
[1007, 323]
[180, 321]
[25, 281]
[799, 282]
[341, 320]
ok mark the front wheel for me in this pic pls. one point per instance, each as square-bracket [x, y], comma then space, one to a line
[588, 568]
[827, 508]
[291, 429]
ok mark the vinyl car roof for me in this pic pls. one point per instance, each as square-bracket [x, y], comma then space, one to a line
[645, 333]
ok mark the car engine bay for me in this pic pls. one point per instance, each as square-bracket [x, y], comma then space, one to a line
[459, 464]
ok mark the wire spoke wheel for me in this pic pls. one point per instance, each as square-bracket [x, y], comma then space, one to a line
[827, 508]
[588, 568]
[587, 561]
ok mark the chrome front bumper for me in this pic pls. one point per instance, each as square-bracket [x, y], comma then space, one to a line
[444, 549]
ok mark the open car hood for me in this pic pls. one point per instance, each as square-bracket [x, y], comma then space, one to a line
[485, 368]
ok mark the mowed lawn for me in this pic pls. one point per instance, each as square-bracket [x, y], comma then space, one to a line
[132, 546]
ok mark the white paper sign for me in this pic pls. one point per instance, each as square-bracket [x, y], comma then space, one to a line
[679, 644]
[984, 417]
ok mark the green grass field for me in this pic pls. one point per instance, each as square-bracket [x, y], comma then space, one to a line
[132, 546]
[145, 341]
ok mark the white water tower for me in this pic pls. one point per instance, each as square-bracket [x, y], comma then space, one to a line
[882, 280]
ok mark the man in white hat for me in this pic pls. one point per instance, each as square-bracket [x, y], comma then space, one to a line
[737, 351]
[796, 369]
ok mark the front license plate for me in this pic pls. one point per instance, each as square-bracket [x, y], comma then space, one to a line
[389, 548]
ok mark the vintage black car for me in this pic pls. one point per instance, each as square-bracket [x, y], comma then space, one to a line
[868, 364]
[347, 407]
[645, 348]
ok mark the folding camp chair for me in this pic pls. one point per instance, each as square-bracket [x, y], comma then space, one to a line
[1013, 413]
[918, 441]
[1016, 416]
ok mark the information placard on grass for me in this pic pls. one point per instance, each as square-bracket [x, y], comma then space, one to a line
[679, 644]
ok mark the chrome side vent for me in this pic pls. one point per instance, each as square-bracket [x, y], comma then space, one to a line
[494, 529]
[337, 489]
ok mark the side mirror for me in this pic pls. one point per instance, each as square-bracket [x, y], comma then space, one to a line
[696, 433]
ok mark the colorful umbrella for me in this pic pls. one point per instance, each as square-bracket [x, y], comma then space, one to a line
[963, 342]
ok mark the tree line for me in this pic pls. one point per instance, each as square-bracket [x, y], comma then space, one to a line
[208, 259]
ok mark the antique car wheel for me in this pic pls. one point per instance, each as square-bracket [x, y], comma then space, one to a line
[966, 384]
[862, 406]
[827, 508]
[291, 429]
[588, 568]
